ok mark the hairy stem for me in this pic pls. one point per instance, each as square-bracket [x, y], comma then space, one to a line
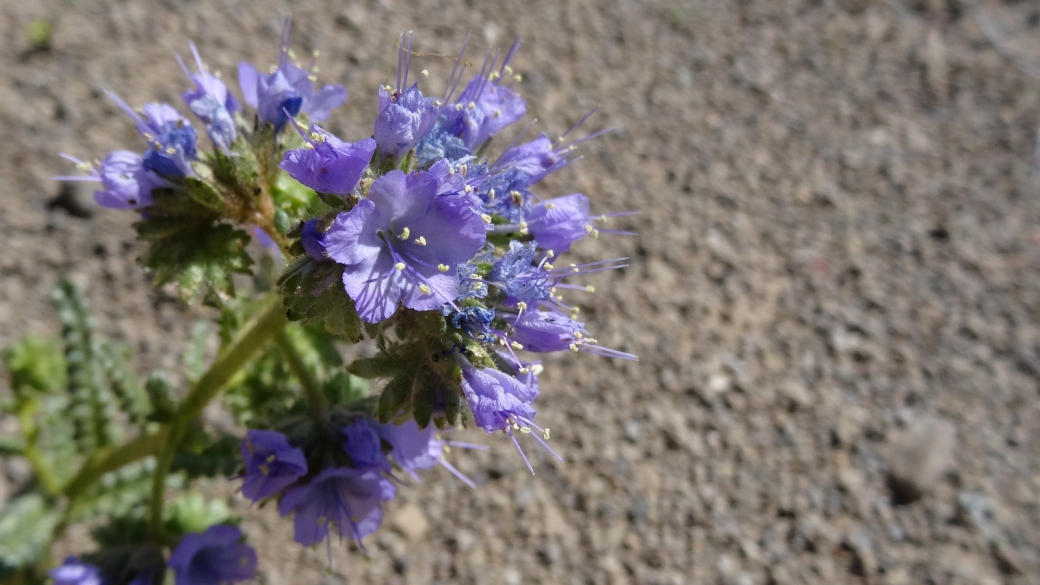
[311, 387]
[267, 324]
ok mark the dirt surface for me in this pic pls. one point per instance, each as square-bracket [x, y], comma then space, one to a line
[834, 293]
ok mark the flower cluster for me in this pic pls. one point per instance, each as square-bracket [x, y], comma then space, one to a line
[417, 237]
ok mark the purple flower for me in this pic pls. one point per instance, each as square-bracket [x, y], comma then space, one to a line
[212, 103]
[403, 243]
[486, 106]
[519, 277]
[170, 136]
[288, 89]
[327, 164]
[75, 572]
[546, 331]
[502, 402]
[215, 557]
[405, 116]
[125, 183]
[415, 448]
[535, 159]
[350, 499]
[558, 223]
[362, 443]
[272, 464]
[313, 241]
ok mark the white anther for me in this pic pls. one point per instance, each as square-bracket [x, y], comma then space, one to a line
[588, 228]
[399, 266]
[451, 170]
[547, 266]
[578, 334]
[312, 78]
[309, 146]
[559, 298]
[458, 107]
[595, 233]
[545, 433]
[521, 305]
[497, 114]
[525, 430]
[517, 196]
[550, 254]
[515, 345]
[518, 78]
[424, 288]
[443, 267]
[536, 369]
[522, 227]
[491, 193]
[590, 289]
[486, 218]
[171, 150]
[508, 70]
[550, 205]
[388, 88]
[421, 240]
[470, 106]
[603, 218]
[574, 347]
[574, 312]
[425, 74]
[524, 370]
[468, 189]
[494, 75]
[437, 103]
[273, 69]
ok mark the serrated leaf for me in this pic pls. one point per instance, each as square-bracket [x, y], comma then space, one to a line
[195, 353]
[192, 513]
[118, 493]
[313, 292]
[133, 399]
[380, 365]
[26, 525]
[216, 457]
[204, 194]
[189, 245]
[160, 397]
[343, 388]
[35, 365]
[396, 398]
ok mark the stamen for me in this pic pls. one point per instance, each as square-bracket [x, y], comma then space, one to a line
[443, 267]
[421, 240]
[400, 266]
[425, 289]
[404, 233]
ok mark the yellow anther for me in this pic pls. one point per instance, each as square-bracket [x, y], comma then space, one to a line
[405, 233]
[559, 298]
[590, 289]
[588, 228]
[545, 433]
[549, 254]
[522, 306]
[497, 114]
[421, 240]
[574, 268]
[518, 78]
[321, 520]
[309, 146]
[574, 312]
[425, 74]
[425, 289]
[547, 266]
[171, 150]
[468, 189]
[552, 290]
[292, 54]
[515, 345]
[443, 267]
[491, 193]
[451, 170]
[494, 75]
[550, 205]
[273, 69]
[537, 369]
[508, 70]
[595, 233]
[517, 196]
[574, 347]
[470, 106]
[603, 218]
[264, 469]
[85, 167]
[523, 227]
[525, 429]
[458, 107]
[317, 137]
[524, 370]
[312, 78]
[486, 218]
[315, 54]
[271, 458]
[399, 266]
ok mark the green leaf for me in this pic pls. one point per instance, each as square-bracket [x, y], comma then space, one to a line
[118, 493]
[331, 307]
[204, 194]
[122, 531]
[380, 365]
[209, 458]
[192, 513]
[26, 525]
[133, 399]
[35, 365]
[195, 354]
[160, 397]
[92, 406]
[395, 398]
[190, 246]
[344, 388]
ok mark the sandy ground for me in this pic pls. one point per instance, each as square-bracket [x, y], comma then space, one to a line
[834, 293]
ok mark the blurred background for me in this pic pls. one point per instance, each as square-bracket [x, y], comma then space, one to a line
[834, 292]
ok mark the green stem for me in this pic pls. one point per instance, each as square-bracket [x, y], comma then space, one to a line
[251, 340]
[40, 466]
[311, 387]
